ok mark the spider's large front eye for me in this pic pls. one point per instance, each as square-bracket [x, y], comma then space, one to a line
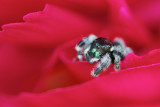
[96, 54]
[92, 51]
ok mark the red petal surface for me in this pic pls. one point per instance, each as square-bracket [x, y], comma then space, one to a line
[147, 12]
[138, 86]
[125, 25]
[13, 11]
[50, 27]
[94, 8]
[22, 63]
[21, 67]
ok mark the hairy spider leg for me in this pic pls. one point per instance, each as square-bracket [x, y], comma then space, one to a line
[120, 50]
[119, 41]
[102, 65]
[83, 45]
[128, 50]
[117, 59]
[119, 45]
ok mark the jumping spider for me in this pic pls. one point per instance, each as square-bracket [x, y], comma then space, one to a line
[100, 49]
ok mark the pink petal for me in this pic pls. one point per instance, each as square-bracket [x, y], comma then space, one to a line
[125, 25]
[59, 77]
[13, 11]
[50, 27]
[96, 8]
[132, 60]
[21, 67]
[147, 11]
[138, 86]
[137, 83]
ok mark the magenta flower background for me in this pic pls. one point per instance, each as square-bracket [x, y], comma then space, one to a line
[37, 40]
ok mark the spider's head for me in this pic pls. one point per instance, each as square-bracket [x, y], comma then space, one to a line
[99, 47]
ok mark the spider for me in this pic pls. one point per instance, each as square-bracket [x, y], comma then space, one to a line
[100, 49]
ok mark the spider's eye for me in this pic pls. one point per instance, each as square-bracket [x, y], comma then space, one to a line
[92, 51]
[96, 54]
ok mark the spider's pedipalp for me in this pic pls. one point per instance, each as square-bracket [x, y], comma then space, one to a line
[83, 45]
[120, 46]
[102, 65]
[92, 60]
[86, 55]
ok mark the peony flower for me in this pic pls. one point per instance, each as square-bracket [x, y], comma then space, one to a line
[36, 67]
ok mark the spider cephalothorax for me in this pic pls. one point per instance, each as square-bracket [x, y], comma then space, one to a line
[100, 49]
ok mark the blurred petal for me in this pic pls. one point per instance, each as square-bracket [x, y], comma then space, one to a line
[50, 27]
[59, 77]
[13, 11]
[137, 83]
[21, 67]
[131, 61]
[138, 86]
[125, 25]
[145, 10]
[94, 8]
